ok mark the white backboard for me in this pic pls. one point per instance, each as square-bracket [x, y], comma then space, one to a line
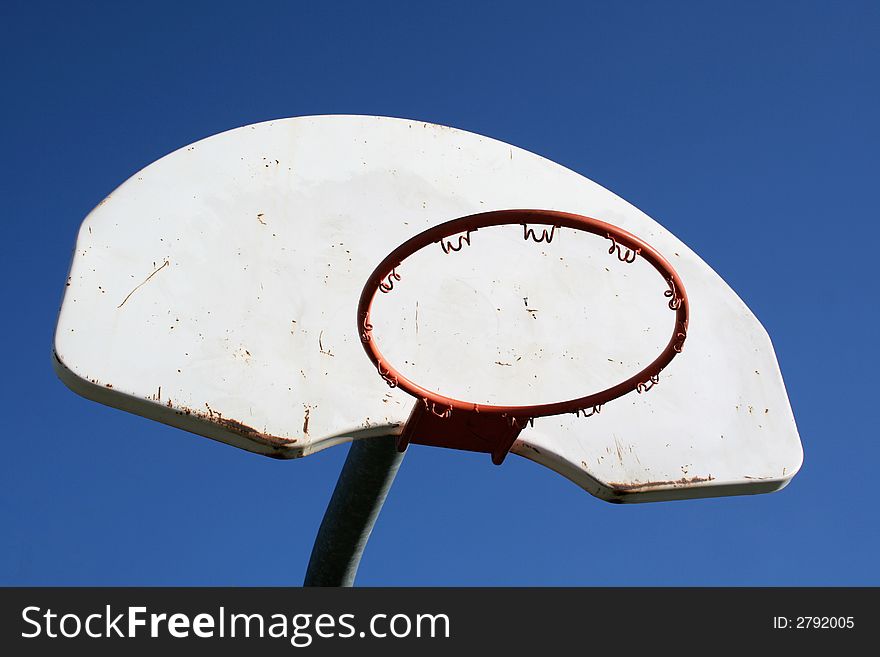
[216, 291]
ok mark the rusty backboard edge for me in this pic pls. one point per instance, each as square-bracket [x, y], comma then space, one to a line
[224, 430]
[660, 491]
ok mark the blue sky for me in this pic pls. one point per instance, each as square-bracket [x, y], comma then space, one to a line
[749, 129]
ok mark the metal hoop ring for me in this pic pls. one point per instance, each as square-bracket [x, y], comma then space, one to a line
[621, 238]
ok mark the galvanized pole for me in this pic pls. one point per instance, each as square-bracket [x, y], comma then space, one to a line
[363, 484]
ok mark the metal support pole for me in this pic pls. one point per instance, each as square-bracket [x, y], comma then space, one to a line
[363, 484]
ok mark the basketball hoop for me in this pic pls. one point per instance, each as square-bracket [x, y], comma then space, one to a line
[447, 422]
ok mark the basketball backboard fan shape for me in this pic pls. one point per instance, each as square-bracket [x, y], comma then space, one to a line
[218, 291]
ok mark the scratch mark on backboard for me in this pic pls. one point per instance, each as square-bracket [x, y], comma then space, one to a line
[137, 287]
[326, 352]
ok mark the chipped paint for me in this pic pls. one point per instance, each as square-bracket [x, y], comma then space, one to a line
[639, 486]
[247, 436]
[235, 426]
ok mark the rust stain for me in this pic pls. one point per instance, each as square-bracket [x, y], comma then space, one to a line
[251, 433]
[306, 420]
[684, 481]
[240, 428]
[156, 271]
